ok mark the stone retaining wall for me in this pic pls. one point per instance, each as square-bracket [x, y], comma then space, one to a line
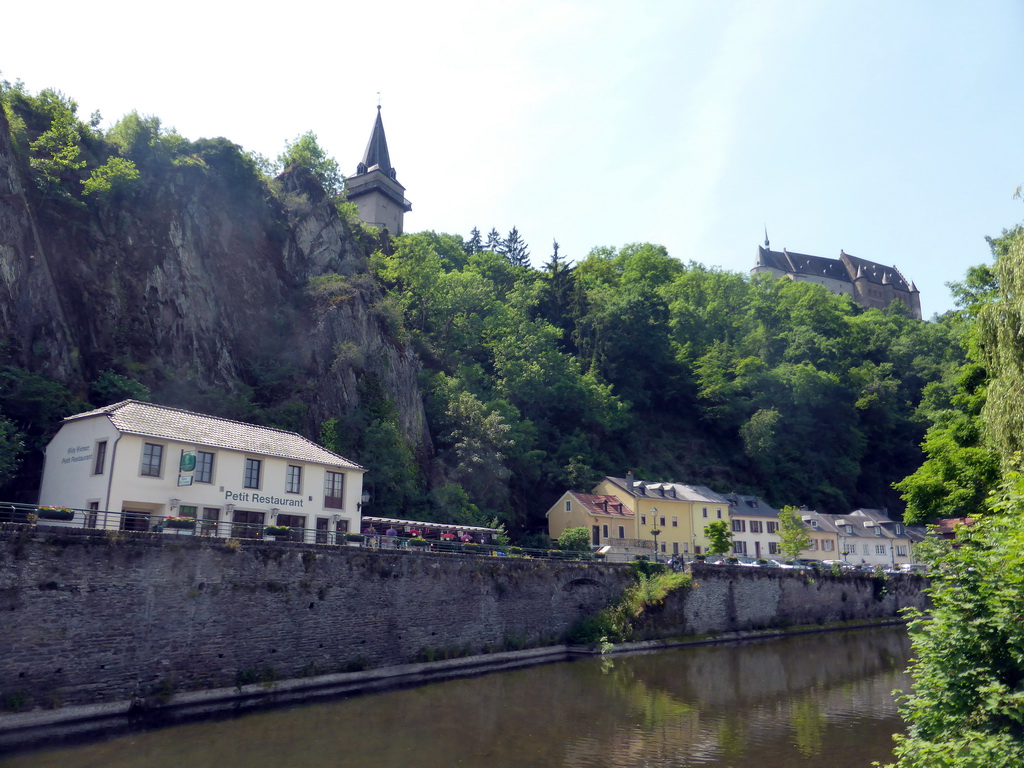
[93, 617]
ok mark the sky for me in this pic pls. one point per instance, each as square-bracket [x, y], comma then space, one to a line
[890, 130]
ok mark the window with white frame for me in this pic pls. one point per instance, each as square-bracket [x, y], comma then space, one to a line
[675, 521]
[879, 549]
[204, 467]
[867, 549]
[101, 458]
[568, 505]
[253, 470]
[901, 550]
[293, 479]
[705, 511]
[773, 527]
[773, 547]
[828, 545]
[152, 459]
[334, 486]
[719, 513]
[739, 547]
[739, 526]
[755, 526]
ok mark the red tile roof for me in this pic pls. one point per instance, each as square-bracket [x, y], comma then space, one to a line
[597, 504]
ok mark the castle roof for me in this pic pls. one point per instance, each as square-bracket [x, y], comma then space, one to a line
[845, 269]
[803, 264]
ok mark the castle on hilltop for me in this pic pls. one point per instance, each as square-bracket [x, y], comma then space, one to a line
[869, 284]
[375, 189]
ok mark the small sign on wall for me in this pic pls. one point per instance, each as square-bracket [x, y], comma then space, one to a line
[184, 479]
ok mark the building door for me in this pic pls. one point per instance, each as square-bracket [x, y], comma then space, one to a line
[322, 524]
[134, 520]
[297, 524]
[596, 535]
[247, 524]
[211, 516]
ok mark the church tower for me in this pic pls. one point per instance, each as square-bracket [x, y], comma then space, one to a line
[374, 188]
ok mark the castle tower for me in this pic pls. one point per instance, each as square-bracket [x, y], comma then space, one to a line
[374, 188]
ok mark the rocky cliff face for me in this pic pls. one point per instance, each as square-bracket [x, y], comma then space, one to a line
[197, 282]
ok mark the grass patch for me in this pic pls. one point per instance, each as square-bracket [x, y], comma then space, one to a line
[616, 622]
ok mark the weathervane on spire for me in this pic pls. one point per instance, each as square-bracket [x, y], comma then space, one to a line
[378, 99]
[766, 247]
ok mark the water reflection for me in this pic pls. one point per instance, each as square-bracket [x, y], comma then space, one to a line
[790, 703]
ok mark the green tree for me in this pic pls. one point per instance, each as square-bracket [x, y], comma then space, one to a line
[794, 537]
[111, 387]
[12, 448]
[494, 242]
[1000, 341]
[56, 151]
[575, 540]
[960, 470]
[964, 710]
[515, 250]
[111, 180]
[719, 536]
[475, 244]
[307, 153]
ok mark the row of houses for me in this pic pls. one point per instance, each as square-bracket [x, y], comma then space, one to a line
[131, 464]
[626, 515]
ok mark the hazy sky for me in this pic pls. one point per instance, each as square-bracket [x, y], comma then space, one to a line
[887, 128]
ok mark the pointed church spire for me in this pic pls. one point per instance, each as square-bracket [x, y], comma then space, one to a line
[377, 150]
[375, 188]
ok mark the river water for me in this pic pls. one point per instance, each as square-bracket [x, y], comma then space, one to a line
[812, 700]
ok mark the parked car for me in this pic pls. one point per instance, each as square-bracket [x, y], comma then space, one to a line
[920, 568]
[840, 564]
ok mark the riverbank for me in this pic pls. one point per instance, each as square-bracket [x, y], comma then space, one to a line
[27, 730]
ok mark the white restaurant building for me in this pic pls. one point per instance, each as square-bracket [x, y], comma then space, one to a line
[130, 464]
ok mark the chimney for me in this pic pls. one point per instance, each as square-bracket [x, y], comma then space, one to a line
[629, 480]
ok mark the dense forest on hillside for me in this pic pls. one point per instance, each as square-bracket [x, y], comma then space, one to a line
[531, 380]
[629, 359]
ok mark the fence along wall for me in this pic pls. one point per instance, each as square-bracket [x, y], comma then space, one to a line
[91, 617]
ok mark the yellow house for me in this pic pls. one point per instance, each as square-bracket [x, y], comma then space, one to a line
[679, 512]
[609, 521]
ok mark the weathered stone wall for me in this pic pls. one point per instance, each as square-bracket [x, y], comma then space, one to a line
[87, 617]
[737, 599]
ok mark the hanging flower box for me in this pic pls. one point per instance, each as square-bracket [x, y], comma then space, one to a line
[56, 513]
[278, 530]
[180, 523]
[417, 541]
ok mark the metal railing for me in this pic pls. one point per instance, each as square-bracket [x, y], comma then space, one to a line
[141, 522]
